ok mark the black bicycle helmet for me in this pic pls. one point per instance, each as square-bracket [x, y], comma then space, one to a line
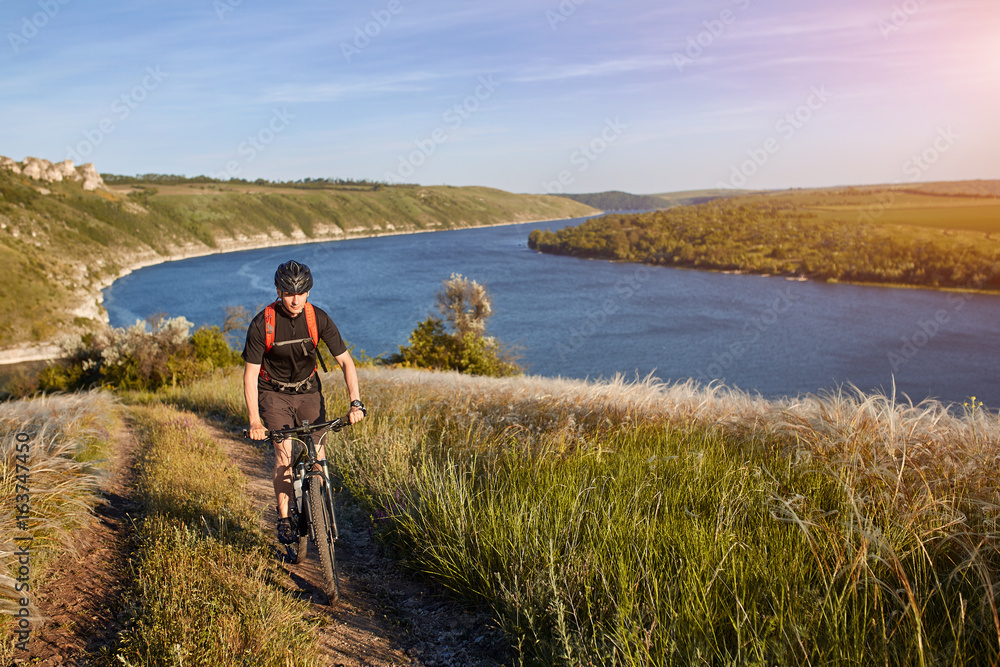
[293, 278]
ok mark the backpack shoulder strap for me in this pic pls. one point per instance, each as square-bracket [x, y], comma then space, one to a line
[269, 327]
[314, 332]
[311, 323]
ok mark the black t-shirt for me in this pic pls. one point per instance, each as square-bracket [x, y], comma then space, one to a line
[295, 362]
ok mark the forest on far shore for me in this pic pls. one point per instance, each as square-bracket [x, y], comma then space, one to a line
[847, 236]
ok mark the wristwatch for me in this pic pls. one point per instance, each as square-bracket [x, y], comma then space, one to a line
[359, 405]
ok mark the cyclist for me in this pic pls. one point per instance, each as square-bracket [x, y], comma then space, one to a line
[280, 383]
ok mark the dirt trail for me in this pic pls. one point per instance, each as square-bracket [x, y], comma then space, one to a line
[81, 601]
[383, 618]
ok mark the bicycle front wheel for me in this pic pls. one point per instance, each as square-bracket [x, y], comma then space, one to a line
[324, 533]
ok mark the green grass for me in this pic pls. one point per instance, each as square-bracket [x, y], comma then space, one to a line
[637, 524]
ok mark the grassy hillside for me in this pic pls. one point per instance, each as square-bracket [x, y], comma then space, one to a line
[60, 245]
[938, 235]
[53, 458]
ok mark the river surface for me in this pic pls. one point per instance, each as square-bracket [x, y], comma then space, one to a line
[595, 319]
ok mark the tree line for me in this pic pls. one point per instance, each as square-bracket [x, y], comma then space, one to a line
[302, 183]
[762, 237]
[615, 200]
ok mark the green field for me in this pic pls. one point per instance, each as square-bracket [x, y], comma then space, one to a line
[911, 207]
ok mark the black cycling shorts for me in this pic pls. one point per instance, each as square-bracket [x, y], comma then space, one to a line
[279, 411]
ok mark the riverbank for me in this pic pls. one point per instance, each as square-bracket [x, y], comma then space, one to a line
[48, 351]
[64, 245]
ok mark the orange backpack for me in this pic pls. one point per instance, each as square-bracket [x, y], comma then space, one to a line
[269, 327]
[269, 319]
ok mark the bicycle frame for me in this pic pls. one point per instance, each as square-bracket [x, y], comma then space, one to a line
[312, 501]
[305, 465]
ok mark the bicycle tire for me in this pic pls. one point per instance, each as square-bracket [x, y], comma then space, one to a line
[300, 552]
[324, 534]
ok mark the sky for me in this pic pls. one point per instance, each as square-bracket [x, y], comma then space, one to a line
[528, 96]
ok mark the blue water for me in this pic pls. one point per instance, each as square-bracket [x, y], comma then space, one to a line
[591, 319]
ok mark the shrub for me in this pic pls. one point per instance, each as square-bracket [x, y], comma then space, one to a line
[145, 356]
[210, 345]
[465, 347]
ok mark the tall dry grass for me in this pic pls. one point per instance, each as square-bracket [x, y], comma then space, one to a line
[68, 439]
[648, 523]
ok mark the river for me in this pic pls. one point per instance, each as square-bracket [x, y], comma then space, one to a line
[595, 319]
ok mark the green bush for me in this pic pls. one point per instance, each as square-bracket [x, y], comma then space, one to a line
[431, 346]
[210, 345]
[466, 347]
[484, 355]
[141, 357]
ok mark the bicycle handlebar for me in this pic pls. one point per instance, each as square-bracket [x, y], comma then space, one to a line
[334, 425]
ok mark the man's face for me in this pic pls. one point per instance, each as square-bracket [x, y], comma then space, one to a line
[293, 303]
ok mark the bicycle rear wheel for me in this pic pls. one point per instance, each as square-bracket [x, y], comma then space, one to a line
[324, 534]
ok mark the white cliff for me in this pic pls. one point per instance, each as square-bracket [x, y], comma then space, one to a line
[42, 170]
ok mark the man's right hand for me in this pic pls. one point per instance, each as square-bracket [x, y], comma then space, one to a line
[257, 431]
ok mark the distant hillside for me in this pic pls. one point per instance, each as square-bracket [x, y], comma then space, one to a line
[689, 197]
[615, 200]
[60, 243]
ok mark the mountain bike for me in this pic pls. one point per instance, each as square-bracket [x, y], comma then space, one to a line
[311, 508]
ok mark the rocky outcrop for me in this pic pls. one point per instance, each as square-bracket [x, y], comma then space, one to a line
[42, 170]
[91, 179]
[9, 164]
